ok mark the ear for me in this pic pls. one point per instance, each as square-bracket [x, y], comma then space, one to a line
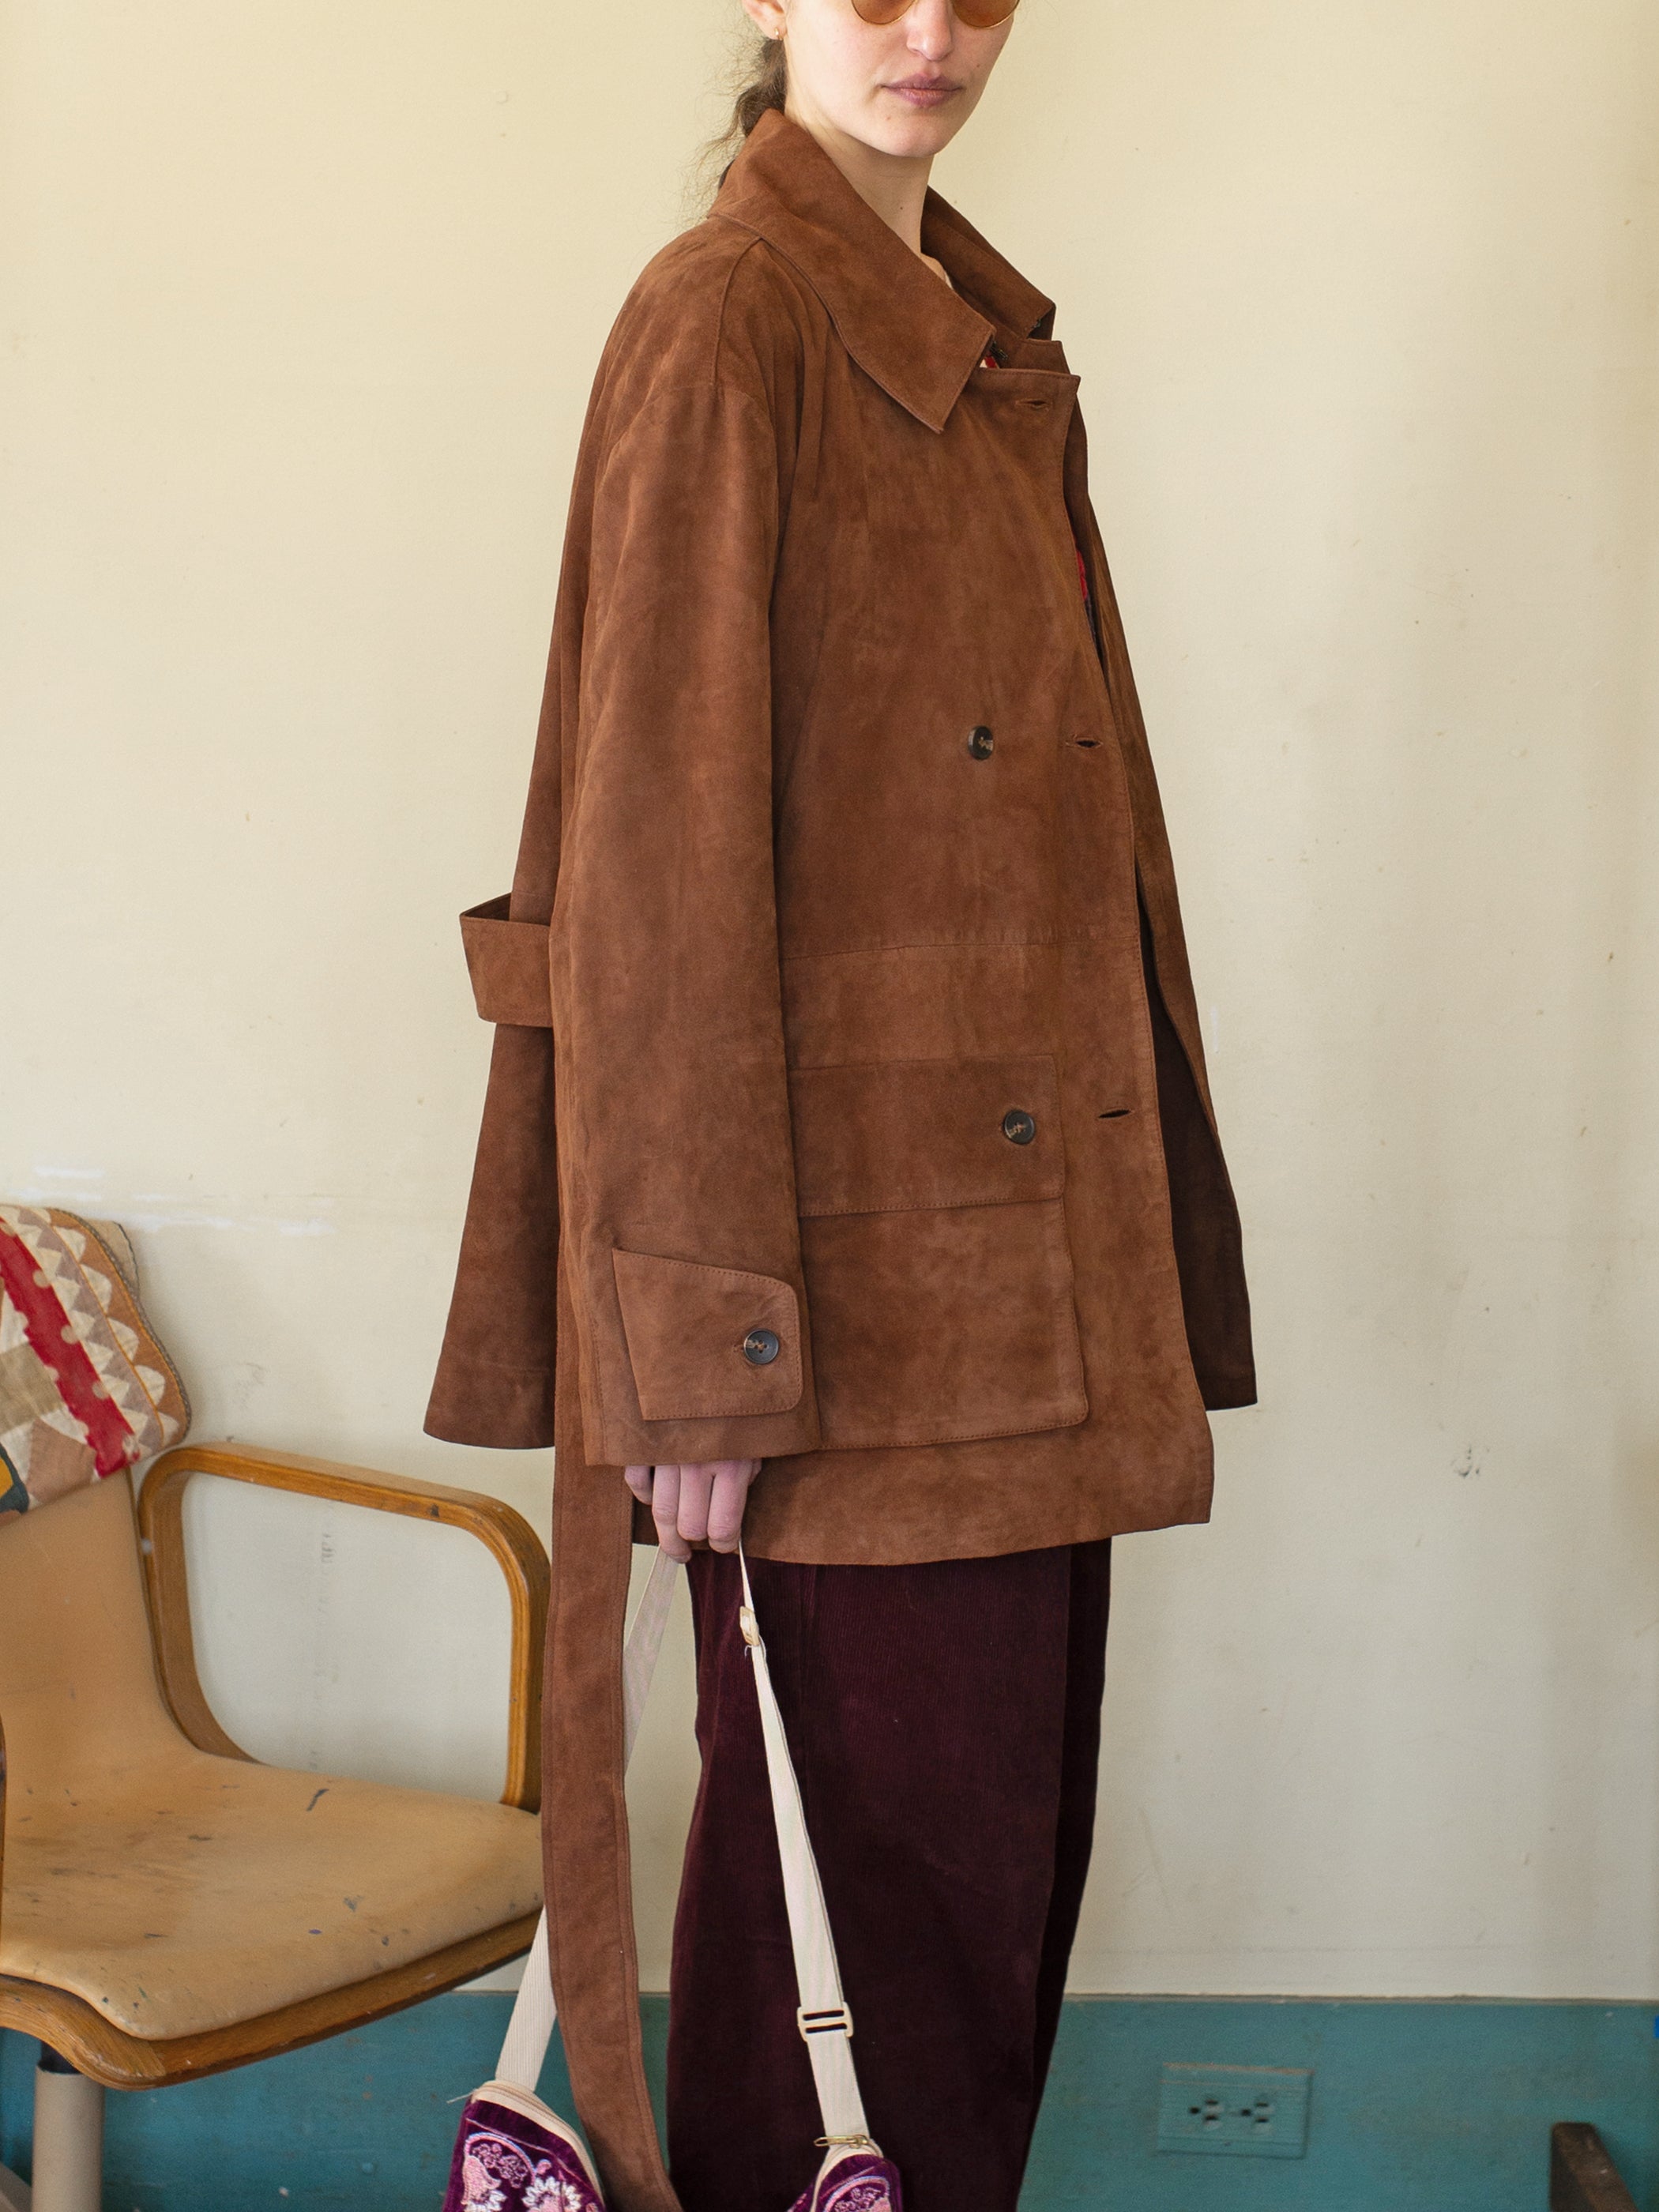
[767, 15]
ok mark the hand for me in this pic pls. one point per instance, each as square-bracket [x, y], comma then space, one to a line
[689, 1504]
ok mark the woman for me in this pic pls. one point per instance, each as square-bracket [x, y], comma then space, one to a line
[885, 1220]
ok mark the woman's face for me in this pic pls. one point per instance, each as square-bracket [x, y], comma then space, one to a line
[903, 89]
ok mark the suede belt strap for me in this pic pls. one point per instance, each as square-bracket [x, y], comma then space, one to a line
[589, 1901]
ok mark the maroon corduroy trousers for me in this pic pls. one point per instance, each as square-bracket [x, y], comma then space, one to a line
[944, 1722]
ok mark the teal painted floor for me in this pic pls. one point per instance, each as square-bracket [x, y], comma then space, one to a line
[1416, 2108]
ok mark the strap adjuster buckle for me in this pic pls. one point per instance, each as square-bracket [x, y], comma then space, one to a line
[827, 2019]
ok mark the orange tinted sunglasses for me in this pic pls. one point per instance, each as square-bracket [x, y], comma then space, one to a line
[978, 14]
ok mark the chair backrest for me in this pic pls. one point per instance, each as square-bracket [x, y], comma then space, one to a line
[78, 1692]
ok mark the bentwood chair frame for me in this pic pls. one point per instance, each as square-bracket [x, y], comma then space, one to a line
[103, 2054]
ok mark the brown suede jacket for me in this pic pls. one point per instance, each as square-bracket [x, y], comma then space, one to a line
[843, 955]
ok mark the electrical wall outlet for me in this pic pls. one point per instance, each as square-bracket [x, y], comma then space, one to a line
[1234, 2111]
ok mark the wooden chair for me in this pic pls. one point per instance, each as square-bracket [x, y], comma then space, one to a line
[168, 1906]
[1583, 2176]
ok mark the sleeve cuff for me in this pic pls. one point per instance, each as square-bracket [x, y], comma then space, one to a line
[508, 962]
[500, 1409]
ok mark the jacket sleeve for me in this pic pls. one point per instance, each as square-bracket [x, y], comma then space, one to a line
[494, 1381]
[676, 1164]
[633, 977]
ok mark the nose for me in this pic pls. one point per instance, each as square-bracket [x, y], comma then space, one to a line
[932, 28]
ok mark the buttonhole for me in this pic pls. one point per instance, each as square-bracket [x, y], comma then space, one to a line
[1087, 744]
[1037, 406]
[1114, 1112]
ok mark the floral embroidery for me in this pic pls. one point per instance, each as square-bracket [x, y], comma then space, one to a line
[862, 2196]
[859, 2184]
[532, 2171]
[498, 2175]
[480, 2193]
[550, 2192]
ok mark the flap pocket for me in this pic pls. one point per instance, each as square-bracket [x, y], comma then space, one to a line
[707, 1343]
[890, 1136]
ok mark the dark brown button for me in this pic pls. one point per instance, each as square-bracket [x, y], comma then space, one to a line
[1018, 1127]
[981, 744]
[761, 1347]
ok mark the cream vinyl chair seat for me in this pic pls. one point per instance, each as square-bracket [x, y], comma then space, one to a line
[178, 1892]
[169, 1907]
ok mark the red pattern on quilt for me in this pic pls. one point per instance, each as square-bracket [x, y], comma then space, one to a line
[53, 1342]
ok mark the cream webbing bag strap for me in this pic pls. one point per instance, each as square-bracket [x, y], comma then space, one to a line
[822, 2013]
[531, 2028]
[824, 2019]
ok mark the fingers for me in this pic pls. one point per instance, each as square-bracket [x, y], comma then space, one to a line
[664, 1511]
[712, 1498]
[695, 1503]
[728, 1494]
[692, 1518]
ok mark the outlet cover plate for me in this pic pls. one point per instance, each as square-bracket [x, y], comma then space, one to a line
[1234, 2111]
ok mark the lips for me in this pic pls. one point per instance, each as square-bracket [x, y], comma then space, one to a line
[924, 92]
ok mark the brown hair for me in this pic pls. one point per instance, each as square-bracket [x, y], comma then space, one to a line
[759, 81]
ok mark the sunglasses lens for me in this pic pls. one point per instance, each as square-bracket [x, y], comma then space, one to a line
[978, 14]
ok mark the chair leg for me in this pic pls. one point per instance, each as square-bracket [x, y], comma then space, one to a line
[69, 2138]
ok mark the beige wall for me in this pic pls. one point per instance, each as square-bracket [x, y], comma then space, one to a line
[301, 308]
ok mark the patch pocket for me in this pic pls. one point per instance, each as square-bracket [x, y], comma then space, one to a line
[939, 1275]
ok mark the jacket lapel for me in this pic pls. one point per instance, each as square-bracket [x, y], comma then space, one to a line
[916, 337]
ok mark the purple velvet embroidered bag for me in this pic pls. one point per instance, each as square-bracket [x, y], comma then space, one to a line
[513, 2154]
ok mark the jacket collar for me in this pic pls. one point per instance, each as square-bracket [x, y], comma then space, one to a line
[917, 338]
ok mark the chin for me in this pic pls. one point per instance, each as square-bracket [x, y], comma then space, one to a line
[910, 137]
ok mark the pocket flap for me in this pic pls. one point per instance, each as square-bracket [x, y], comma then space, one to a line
[888, 1136]
[687, 1325]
